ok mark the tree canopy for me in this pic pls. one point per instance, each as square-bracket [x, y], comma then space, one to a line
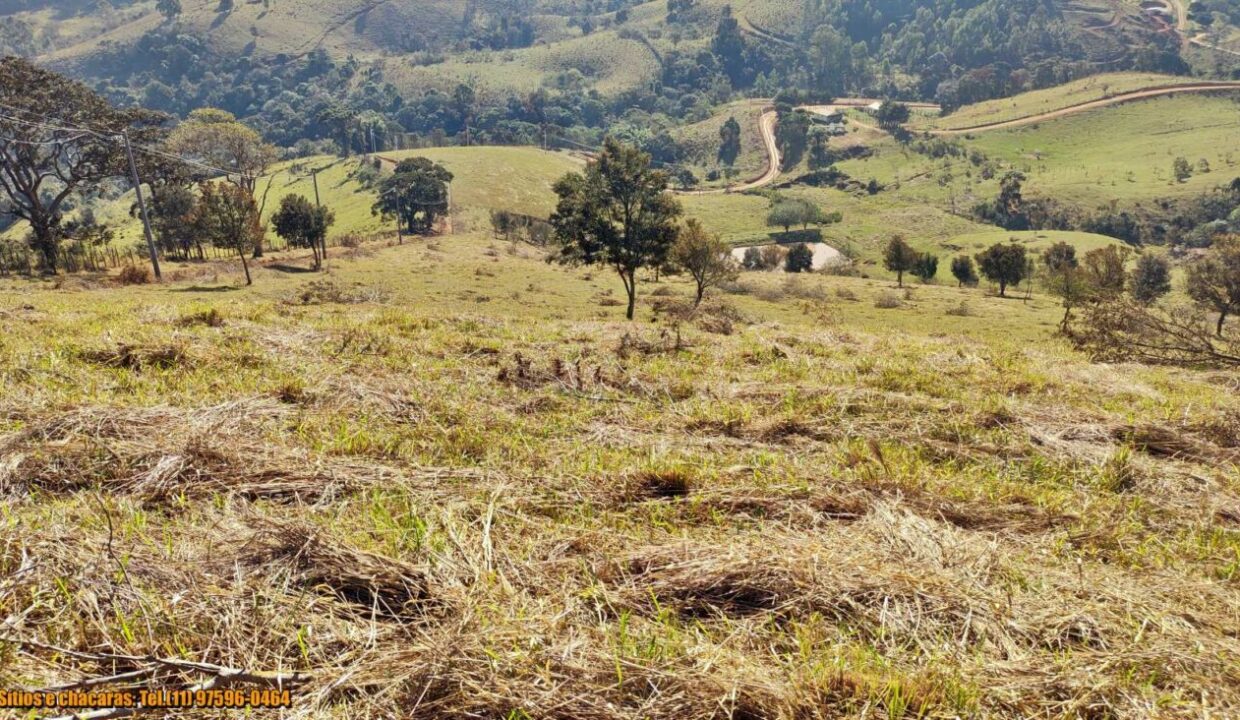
[416, 194]
[59, 140]
[1003, 264]
[618, 214]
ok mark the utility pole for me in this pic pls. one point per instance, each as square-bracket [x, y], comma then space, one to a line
[146, 221]
[314, 175]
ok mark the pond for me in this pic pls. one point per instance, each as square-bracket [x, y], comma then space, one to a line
[824, 255]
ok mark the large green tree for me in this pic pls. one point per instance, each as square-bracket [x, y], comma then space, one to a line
[792, 136]
[216, 138]
[416, 194]
[303, 224]
[618, 214]
[59, 141]
[899, 257]
[1003, 264]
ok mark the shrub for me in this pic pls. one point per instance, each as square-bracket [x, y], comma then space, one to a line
[799, 259]
[888, 300]
[133, 275]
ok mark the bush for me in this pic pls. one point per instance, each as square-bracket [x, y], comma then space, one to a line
[133, 275]
[800, 259]
[888, 300]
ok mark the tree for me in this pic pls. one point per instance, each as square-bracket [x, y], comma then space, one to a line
[618, 214]
[800, 259]
[963, 271]
[215, 137]
[303, 224]
[1151, 278]
[170, 9]
[685, 177]
[892, 115]
[704, 256]
[1004, 264]
[1104, 270]
[830, 60]
[820, 155]
[1181, 169]
[1064, 278]
[752, 259]
[227, 217]
[1214, 280]
[729, 46]
[791, 136]
[785, 214]
[925, 267]
[729, 142]
[46, 164]
[1122, 330]
[416, 194]
[170, 211]
[899, 257]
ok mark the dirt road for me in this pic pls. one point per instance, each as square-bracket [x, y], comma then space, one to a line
[767, 125]
[1221, 86]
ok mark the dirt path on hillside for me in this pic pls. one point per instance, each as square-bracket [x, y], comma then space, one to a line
[767, 126]
[1221, 86]
[1181, 26]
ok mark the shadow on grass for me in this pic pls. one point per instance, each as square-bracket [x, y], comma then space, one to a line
[796, 236]
[206, 288]
[284, 268]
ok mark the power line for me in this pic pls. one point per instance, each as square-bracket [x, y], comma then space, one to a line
[113, 136]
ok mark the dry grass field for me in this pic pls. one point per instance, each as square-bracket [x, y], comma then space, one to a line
[444, 480]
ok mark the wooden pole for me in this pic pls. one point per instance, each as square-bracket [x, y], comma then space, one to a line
[146, 221]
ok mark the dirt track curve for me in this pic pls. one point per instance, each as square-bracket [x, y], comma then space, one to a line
[767, 125]
[1221, 86]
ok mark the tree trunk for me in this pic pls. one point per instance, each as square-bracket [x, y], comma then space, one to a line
[701, 291]
[245, 266]
[1002, 289]
[1218, 330]
[45, 245]
[630, 286]
[899, 278]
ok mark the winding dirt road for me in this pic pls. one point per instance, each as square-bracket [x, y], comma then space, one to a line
[767, 125]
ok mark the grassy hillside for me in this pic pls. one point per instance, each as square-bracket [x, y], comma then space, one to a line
[1028, 104]
[609, 62]
[486, 178]
[451, 480]
[701, 140]
[1125, 153]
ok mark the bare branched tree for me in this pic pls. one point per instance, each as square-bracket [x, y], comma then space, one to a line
[1125, 330]
[58, 138]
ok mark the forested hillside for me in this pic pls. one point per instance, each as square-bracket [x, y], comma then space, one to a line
[510, 70]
